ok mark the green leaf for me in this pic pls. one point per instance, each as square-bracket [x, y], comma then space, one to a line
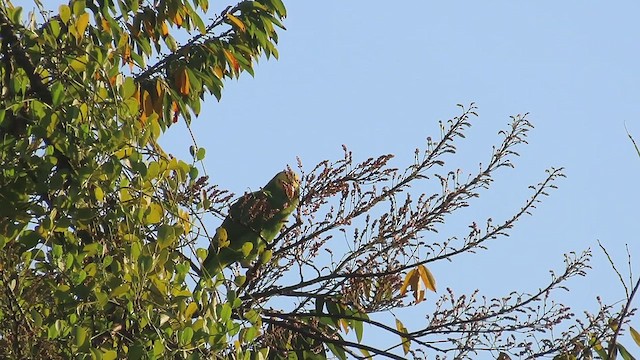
[635, 335]
[128, 88]
[158, 347]
[190, 310]
[252, 316]
[52, 331]
[601, 352]
[96, 354]
[119, 291]
[200, 154]
[624, 353]
[225, 314]
[280, 8]
[57, 92]
[319, 305]
[337, 350]
[186, 335]
[65, 13]
[249, 334]
[166, 236]
[359, 328]
[80, 336]
[246, 249]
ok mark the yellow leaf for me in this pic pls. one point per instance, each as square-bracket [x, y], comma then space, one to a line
[413, 281]
[427, 278]
[124, 152]
[246, 249]
[221, 236]
[177, 19]
[110, 355]
[185, 221]
[164, 29]
[79, 64]
[237, 22]
[345, 325]
[407, 282]
[635, 335]
[190, 310]
[98, 193]
[405, 342]
[217, 70]
[81, 24]
[155, 214]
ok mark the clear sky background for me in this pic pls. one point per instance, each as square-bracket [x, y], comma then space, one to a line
[377, 76]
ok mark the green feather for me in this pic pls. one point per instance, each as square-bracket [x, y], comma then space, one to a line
[254, 220]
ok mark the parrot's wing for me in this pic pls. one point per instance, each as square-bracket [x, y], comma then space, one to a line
[253, 220]
[251, 212]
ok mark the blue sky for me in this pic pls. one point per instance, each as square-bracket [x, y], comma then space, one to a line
[377, 76]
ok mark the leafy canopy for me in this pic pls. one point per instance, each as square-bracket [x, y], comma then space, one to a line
[98, 225]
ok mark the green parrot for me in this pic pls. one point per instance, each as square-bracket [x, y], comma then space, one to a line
[253, 221]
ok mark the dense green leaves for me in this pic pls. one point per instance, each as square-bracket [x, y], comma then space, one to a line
[95, 216]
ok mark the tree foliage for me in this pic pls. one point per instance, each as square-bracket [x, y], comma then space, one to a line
[99, 227]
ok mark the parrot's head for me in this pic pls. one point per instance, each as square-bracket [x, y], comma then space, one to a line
[288, 182]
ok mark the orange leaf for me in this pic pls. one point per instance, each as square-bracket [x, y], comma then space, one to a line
[409, 280]
[148, 27]
[237, 22]
[218, 71]
[345, 325]
[164, 29]
[412, 280]
[105, 25]
[126, 56]
[177, 19]
[182, 80]
[157, 104]
[427, 278]
[232, 59]
[147, 103]
[176, 111]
